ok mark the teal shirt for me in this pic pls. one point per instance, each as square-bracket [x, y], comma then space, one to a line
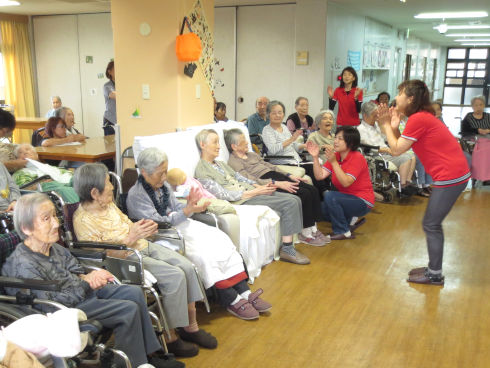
[255, 124]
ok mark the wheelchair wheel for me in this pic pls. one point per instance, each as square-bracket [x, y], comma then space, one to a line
[10, 313]
[390, 195]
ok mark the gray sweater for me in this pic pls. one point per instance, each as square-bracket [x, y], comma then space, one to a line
[59, 265]
[140, 206]
[9, 191]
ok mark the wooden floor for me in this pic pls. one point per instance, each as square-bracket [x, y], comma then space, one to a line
[353, 308]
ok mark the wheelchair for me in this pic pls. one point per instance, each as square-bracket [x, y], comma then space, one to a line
[385, 181]
[125, 271]
[12, 308]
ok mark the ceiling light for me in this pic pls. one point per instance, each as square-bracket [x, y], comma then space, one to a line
[442, 28]
[9, 3]
[451, 15]
[468, 35]
[480, 26]
[475, 44]
[473, 40]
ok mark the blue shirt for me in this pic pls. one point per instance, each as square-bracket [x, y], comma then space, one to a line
[255, 125]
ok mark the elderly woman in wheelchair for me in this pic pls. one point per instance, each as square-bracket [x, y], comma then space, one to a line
[208, 247]
[118, 307]
[99, 219]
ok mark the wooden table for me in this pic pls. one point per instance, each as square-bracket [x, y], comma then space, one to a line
[30, 123]
[93, 150]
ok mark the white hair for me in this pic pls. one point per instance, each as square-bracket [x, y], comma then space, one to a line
[150, 159]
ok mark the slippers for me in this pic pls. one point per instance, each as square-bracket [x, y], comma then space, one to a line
[423, 192]
[417, 270]
[426, 278]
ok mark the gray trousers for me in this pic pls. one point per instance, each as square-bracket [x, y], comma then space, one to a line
[176, 279]
[440, 203]
[287, 206]
[123, 309]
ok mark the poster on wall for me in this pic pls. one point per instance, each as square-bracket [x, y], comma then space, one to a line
[354, 59]
[201, 28]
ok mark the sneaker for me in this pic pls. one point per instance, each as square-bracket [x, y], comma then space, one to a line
[319, 234]
[317, 242]
[296, 257]
[260, 305]
[183, 349]
[244, 310]
[202, 338]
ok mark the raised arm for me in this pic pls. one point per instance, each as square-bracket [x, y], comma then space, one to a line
[314, 151]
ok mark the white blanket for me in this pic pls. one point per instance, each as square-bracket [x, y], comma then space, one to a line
[258, 244]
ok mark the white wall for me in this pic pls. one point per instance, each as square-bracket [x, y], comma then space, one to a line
[225, 55]
[347, 30]
[62, 43]
[308, 34]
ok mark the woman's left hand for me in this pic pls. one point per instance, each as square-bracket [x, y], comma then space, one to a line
[330, 153]
[192, 200]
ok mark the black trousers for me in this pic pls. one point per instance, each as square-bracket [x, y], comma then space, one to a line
[108, 127]
[321, 185]
[227, 296]
[310, 198]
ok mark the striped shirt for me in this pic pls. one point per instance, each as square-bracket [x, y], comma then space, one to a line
[470, 124]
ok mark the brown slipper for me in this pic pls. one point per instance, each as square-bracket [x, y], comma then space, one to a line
[417, 271]
[426, 278]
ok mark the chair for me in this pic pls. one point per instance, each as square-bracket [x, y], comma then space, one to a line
[15, 307]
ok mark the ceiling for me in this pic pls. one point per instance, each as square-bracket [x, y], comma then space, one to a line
[46, 7]
[393, 12]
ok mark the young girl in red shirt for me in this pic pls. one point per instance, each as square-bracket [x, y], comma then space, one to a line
[442, 158]
[349, 97]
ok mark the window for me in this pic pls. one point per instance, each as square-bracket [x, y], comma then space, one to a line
[2, 80]
[467, 75]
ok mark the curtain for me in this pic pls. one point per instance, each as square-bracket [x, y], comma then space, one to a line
[19, 78]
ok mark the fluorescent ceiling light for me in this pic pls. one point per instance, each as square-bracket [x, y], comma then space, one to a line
[9, 3]
[473, 40]
[475, 44]
[478, 26]
[468, 35]
[451, 15]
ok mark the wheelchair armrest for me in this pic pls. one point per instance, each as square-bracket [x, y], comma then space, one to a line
[106, 246]
[46, 285]
[88, 254]
[366, 148]
[92, 326]
[35, 181]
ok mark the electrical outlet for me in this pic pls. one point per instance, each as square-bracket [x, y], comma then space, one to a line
[146, 91]
[198, 91]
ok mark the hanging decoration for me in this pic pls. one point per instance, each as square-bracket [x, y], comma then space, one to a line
[200, 26]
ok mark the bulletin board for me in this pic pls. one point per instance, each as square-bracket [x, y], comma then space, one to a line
[200, 27]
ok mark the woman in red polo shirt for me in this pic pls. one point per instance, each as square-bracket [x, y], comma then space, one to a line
[442, 158]
[350, 175]
[349, 97]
